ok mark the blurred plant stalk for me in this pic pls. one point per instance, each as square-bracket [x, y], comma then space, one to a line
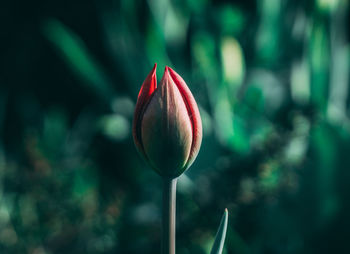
[169, 215]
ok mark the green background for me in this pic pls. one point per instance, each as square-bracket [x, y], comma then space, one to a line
[271, 78]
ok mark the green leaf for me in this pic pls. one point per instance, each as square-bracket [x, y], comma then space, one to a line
[220, 235]
[77, 56]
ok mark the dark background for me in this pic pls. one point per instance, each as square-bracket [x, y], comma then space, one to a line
[271, 78]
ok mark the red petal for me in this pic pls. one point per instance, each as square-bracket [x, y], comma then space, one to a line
[193, 113]
[146, 91]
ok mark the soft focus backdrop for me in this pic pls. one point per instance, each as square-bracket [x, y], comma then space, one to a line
[271, 78]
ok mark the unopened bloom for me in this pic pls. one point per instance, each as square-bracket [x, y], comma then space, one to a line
[167, 127]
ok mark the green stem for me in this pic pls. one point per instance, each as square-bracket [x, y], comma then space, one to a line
[169, 213]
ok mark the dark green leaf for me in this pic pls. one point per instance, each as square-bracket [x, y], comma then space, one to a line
[220, 235]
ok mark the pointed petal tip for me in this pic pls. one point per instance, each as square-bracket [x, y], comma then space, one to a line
[166, 75]
[170, 69]
[148, 87]
[166, 70]
[154, 69]
[149, 84]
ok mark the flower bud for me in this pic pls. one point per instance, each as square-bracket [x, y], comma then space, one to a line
[167, 127]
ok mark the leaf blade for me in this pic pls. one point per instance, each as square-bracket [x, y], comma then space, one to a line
[220, 235]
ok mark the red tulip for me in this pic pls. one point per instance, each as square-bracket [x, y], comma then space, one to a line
[167, 127]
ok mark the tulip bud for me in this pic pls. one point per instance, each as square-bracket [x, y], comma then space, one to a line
[167, 127]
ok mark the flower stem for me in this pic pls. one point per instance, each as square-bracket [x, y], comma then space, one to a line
[169, 213]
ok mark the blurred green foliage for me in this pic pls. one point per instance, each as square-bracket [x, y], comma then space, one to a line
[271, 78]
